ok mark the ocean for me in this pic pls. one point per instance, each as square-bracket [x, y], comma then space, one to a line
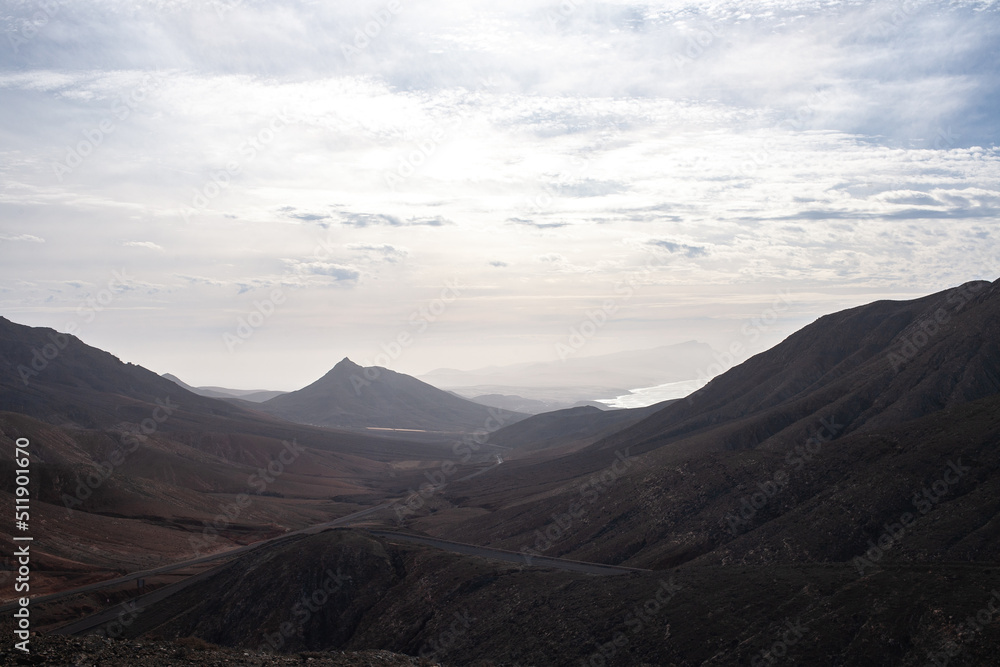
[640, 398]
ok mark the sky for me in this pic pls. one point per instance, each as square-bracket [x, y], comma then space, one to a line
[244, 192]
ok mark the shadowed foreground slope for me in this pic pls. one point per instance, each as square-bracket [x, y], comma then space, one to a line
[343, 590]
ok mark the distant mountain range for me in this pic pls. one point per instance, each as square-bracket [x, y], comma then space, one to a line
[564, 383]
[352, 396]
[252, 395]
[529, 405]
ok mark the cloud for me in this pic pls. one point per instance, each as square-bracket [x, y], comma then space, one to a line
[384, 252]
[338, 272]
[684, 249]
[536, 225]
[291, 212]
[625, 132]
[384, 219]
[308, 217]
[21, 237]
[148, 245]
[589, 188]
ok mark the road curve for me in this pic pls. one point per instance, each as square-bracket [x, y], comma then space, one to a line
[108, 615]
[308, 530]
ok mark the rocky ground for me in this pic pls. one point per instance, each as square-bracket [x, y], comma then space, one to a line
[57, 651]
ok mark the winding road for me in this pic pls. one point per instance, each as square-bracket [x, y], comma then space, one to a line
[109, 615]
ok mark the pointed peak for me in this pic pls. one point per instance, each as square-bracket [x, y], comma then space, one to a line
[346, 363]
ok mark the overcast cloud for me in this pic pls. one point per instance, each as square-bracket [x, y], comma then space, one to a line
[688, 161]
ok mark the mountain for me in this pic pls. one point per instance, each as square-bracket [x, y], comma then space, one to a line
[574, 378]
[349, 590]
[570, 427]
[528, 405]
[350, 396]
[252, 395]
[870, 366]
[803, 453]
[128, 467]
[834, 500]
[57, 378]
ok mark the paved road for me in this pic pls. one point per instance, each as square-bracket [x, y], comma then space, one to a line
[309, 530]
[123, 611]
[509, 556]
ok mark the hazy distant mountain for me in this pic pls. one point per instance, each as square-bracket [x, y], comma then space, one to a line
[582, 378]
[351, 396]
[831, 433]
[252, 395]
[529, 405]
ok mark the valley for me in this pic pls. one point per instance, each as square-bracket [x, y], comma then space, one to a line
[829, 498]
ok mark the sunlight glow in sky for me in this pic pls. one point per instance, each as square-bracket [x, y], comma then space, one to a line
[479, 178]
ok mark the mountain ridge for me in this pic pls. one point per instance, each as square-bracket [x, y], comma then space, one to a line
[353, 396]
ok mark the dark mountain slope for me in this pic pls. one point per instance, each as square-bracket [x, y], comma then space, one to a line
[874, 365]
[572, 426]
[58, 378]
[345, 589]
[350, 396]
[880, 425]
[118, 451]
